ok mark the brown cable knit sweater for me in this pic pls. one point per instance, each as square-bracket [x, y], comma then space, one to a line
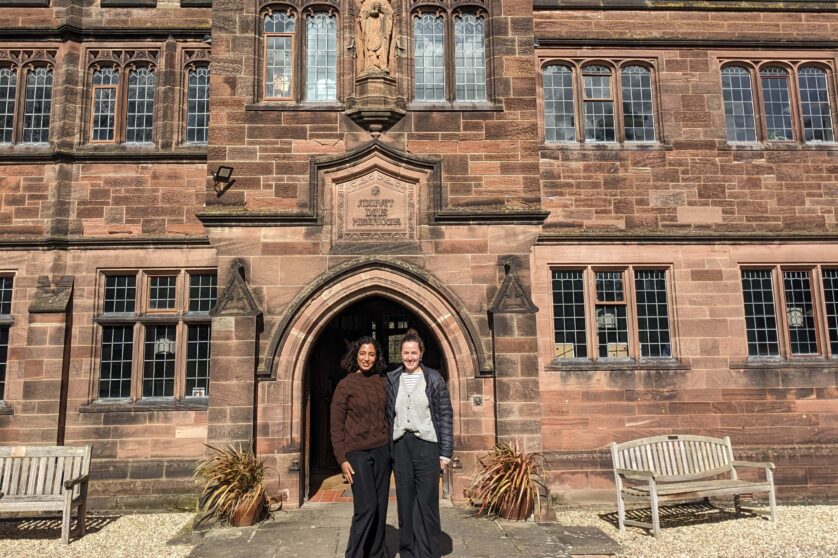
[358, 416]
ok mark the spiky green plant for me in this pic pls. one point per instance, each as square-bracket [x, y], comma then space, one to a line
[508, 484]
[231, 480]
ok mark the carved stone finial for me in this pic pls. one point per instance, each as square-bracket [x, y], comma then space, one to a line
[511, 297]
[236, 300]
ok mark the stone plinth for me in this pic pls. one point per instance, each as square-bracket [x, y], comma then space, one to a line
[375, 106]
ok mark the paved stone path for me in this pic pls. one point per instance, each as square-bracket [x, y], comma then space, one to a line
[322, 530]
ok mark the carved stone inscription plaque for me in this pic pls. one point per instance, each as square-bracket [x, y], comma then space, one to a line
[375, 207]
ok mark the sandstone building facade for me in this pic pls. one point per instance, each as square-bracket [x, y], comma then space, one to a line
[610, 219]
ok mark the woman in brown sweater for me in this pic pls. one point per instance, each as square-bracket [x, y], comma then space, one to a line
[361, 442]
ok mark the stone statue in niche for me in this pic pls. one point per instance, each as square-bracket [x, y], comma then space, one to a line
[375, 33]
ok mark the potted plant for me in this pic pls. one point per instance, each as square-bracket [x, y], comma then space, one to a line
[232, 486]
[509, 484]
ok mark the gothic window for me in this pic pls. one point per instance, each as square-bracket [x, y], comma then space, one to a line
[25, 115]
[598, 102]
[197, 104]
[794, 99]
[140, 111]
[317, 38]
[155, 334]
[321, 57]
[279, 55]
[449, 56]
[105, 96]
[6, 282]
[470, 57]
[429, 57]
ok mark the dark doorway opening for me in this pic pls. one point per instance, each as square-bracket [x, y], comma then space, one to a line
[384, 319]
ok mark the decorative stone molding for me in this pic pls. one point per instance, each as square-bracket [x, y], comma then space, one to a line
[236, 300]
[511, 297]
[52, 298]
[121, 57]
[21, 57]
[196, 56]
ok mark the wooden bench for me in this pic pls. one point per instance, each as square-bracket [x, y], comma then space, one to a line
[45, 478]
[682, 468]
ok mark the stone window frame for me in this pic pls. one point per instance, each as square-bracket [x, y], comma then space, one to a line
[302, 11]
[630, 302]
[141, 318]
[615, 62]
[449, 10]
[824, 336]
[22, 63]
[6, 323]
[123, 62]
[753, 64]
[192, 59]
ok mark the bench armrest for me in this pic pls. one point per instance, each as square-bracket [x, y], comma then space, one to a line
[757, 464]
[68, 485]
[635, 474]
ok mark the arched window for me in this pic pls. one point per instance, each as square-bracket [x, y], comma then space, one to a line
[429, 57]
[470, 57]
[321, 57]
[560, 116]
[739, 104]
[776, 103]
[197, 105]
[279, 55]
[140, 111]
[814, 104]
[598, 101]
[8, 93]
[638, 112]
[105, 95]
[37, 105]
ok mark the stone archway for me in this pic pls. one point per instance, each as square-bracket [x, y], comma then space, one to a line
[301, 330]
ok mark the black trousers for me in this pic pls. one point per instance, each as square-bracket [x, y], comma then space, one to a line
[370, 496]
[416, 464]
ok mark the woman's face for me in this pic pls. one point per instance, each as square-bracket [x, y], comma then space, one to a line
[411, 355]
[366, 357]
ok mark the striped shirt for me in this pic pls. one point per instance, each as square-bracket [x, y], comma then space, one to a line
[411, 379]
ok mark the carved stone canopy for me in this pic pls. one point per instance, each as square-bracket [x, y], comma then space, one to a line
[511, 297]
[236, 300]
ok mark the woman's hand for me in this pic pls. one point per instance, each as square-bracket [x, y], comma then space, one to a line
[348, 471]
[442, 464]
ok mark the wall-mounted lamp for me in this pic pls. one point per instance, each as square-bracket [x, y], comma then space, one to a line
[295, 466]
[222, 175]
[455, 463]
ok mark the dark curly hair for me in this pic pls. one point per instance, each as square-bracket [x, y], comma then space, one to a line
[349, 362]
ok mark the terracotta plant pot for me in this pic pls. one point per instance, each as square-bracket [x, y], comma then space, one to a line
[249, 511]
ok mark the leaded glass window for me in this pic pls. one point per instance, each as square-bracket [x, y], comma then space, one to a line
[37, 106]
[560, 116]
[652, 313]
[115, 361]
[5, 311]
[6, 283]
[469, 58]
[159, 365]
[162, 292]
[611, 316]
[105, 89]
[830, 295]
[429, 57]
[120, 294]
[198, 360]
[598, 104]
[197, 105]
[739, 104]
[638, 119]
[800, 314]
[140, 113]
[814, 104]
[202, 291]
[279, 55]
[321, 57]
[760, 313]
[8, 93]
[776, 103]
[569, 315]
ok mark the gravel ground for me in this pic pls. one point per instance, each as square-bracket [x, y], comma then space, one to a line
[126, 536]
[801, 531]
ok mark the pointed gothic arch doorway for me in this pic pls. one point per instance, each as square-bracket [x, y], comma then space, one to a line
[384, 319]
